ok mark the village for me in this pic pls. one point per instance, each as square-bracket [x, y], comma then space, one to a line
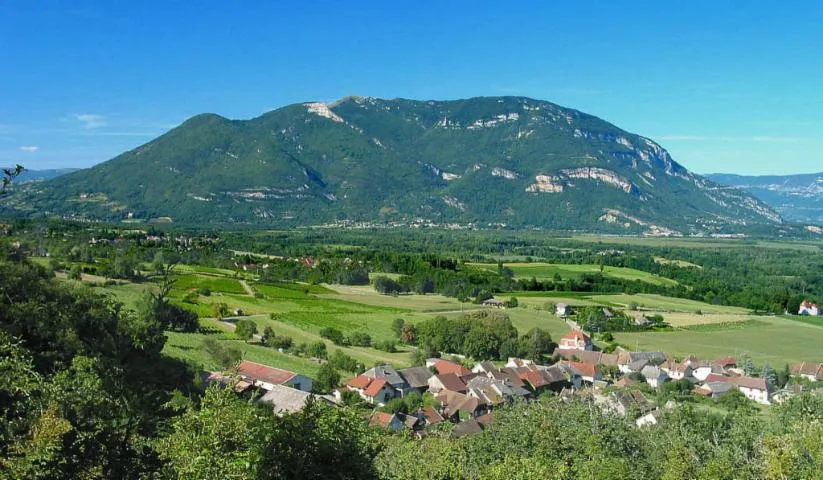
[619, 383]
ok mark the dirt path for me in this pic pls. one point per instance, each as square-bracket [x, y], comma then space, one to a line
[247, 288]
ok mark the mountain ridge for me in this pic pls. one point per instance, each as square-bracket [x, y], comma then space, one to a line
[797, 197]
[512, 161]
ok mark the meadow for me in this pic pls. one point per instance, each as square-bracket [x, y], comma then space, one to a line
[547, 271]
[300, 311]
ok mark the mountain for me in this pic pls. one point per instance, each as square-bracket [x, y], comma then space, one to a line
[797, 197]
[41, 175]
[489, 160]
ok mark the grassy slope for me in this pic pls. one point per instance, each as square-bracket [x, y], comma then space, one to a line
[776, 340]
[546, 271]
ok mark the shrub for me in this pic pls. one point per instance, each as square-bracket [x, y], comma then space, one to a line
[360, 339]
[205, 292]
[245, 329]
[333, 334]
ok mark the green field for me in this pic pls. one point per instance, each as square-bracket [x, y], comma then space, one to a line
[773, 339]
[680, 242]
[661, 303]
[302, 310]
[547, 271]
[213, 283]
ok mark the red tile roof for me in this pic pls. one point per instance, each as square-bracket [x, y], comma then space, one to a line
[431, 415]
[374, 387]
[714, 377]
[726, 362]
[576, 335]
[381, 419]
[264, 373]
[360, 382]
[534, 378]
[584, 369]
[445, 366]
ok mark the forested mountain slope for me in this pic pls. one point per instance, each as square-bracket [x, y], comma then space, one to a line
[489, 160]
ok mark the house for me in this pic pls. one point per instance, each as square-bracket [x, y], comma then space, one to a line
[388, 421]
[714, 389]
[518, 362]
[484, 368]
[655, 376]
[624, 402]
[677, 371]
[726, 362]
[585, 372]
[809, 308]
[597, 358]
[429, 416]
[417, 378]
[624, 382]
[493, 392]
[388, 373]
[447, 366]
[608, 314]
[755, 389]
[376, 391]
[266, 377]
[576, 340]
[493, 302]
[651, 418]
[810, 371]
[289, 400]
[631, 362]
[467, 428]
[447, 381]
[455, 403]
[562, 310]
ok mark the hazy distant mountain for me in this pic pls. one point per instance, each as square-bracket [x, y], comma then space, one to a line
[489, 160]
[40, 175]
[795, 197]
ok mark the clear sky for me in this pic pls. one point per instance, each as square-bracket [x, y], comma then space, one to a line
[725, 86]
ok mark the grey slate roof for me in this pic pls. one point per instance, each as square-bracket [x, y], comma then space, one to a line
[286, 399]
[416, 377]
[388, 373]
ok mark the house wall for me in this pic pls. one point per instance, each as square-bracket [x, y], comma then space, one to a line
[756, 395]
[300, 382]
[701, 373]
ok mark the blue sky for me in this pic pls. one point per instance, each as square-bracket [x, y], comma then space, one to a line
[725, 86]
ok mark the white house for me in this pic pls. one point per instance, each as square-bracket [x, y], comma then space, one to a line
[755, 389]
[376, 391]
[655, 376]
[562, 310]
[576, 340]
[677, 371]
[809, 308]
[266, 377]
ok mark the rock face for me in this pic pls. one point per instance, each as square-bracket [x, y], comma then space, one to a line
[485, 161]
[795, 197]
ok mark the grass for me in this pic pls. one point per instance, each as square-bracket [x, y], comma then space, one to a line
[189, 347]
[660, 302]
[213, 283]
[679, 263]
[773, 339]
[547, 271]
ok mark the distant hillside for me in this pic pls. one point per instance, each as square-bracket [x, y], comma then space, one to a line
[41, 175]
[511, 161]
[796, 197]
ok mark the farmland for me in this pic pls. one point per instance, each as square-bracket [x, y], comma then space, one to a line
[300, 311]
[546, 271]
